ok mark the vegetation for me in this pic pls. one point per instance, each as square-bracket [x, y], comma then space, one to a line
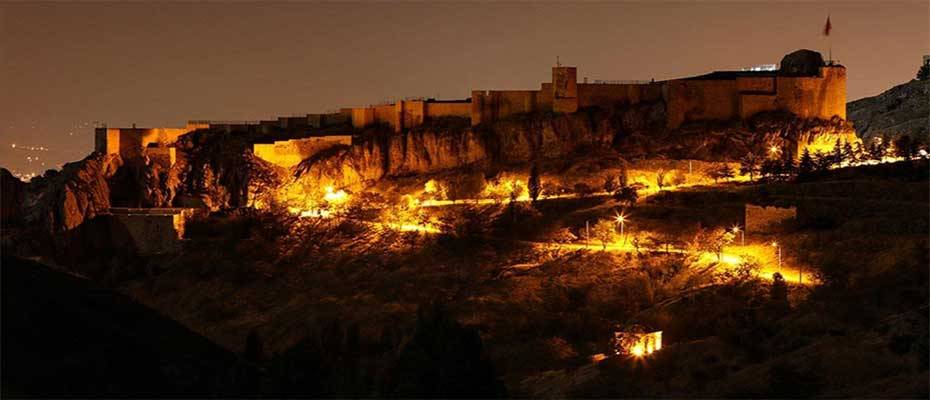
[533, 184]
[923, 73]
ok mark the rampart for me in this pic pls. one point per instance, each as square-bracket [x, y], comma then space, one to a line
[289, 153]
[406, 114]
[804, 85]
[133, 142]
[154, 230]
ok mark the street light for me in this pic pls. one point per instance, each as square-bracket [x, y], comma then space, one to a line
[775, 244]
[621, 219]
[742, 234]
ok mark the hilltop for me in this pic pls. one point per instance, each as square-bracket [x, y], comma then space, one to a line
[901, 110]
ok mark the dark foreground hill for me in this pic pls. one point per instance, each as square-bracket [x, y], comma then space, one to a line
[65, 337]
[901, 110]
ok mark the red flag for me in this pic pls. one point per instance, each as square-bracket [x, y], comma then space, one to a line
[827, 27]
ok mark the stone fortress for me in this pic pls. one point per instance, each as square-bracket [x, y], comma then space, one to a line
[803, 85]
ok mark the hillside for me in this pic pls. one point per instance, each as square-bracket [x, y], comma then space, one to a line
[901, 110]
[65, 336]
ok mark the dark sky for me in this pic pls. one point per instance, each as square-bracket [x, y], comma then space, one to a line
[63, 66]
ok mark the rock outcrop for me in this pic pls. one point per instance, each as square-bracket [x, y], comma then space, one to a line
[428, 150]
[61, 201]
[12, 190]
[901, 110]
[633, 131]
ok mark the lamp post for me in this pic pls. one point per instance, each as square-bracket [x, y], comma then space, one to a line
[742, 234]
[586, 234]
[621, 219]
[773, 150]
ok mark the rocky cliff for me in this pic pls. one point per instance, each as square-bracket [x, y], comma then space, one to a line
[61, 201]
[634, 132]
[217, 169]
[901, 110]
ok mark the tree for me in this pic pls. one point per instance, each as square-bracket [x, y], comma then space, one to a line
[904, 146]
[848, 153]
[583, 190]
[924, 72]
[467, 186]
[443, 359]
[623, 178]
[823, 161]
[605, 231]
[660, 178]
[770, 169]
[533, 183]
[806, 166]
[678, 178]
[837, 153]
[711, 241]
[859, 153]
[778, 294]
[875, 150]
[722, 171]
[788, 166]
[626, 195]
[886, 145]
[749, 165]
[610, 184]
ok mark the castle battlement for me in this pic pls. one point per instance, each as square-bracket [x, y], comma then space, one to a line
[803, 85]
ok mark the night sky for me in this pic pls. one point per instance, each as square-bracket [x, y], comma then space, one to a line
[64, 66]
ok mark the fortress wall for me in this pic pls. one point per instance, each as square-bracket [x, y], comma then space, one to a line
[289, 153]
[386, 113]
[511, 102]
[544, 97]
[154, 230]
[477, 109]
[132, 142]
[752, 104]
[496, 104]
[106, 140]
[597, 94]
[814, 97]
[437, 109]
[411, 114]
[154, 233]
[756, 85]
[362, 116]
[700, 100]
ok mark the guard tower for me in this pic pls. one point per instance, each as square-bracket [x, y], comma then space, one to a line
[564, 89]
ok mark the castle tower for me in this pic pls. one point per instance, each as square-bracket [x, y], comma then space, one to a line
[564, 89]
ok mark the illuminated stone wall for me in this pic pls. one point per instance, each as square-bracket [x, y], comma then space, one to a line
[760, 219]
[602, 94]
[289, 153]
[406, 114]
[154, 230]
[700, 100]
[821, 96]
[132, 142]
